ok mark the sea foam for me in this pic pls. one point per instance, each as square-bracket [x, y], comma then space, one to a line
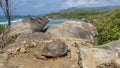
[13, 21]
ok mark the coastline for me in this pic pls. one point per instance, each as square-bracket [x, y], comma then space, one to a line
[52, 20]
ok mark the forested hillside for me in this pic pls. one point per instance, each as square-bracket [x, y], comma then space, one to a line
[76, 14]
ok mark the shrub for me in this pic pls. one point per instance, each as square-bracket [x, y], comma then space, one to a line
[2, 28]
[108, 27]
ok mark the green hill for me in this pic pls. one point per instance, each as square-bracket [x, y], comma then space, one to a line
[76, 14]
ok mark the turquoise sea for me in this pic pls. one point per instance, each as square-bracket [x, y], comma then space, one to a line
[3, 20]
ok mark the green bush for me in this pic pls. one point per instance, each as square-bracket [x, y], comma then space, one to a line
[108, 27]
[2, 28]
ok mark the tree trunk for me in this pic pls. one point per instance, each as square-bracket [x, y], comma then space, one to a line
[8, 13]
[9, 21]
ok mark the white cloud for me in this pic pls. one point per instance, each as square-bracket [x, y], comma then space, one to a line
[89, 3]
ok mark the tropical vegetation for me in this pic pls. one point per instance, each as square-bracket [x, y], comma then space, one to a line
[76, 14]
[108, 26]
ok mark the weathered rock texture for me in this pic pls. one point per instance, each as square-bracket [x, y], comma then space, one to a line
[55, 49]
[92, 57]
[70, 29]
[28, 25]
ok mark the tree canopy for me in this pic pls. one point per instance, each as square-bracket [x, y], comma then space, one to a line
[108, 26]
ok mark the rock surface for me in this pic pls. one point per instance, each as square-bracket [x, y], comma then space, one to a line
[92, 57]
[117, 62]
[36, 36]
[3, 59]
[70, 29]
[55, 49]
[28, 25]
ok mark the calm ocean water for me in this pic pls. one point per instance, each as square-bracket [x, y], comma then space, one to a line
[3, 20]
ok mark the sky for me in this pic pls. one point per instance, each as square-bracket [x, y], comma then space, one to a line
[38, 7]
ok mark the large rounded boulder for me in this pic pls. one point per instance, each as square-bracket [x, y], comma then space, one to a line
[73, 29]
[69, 29]
[28, 25]
[104, 56]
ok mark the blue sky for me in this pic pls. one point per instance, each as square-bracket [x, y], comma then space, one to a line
[38, 7]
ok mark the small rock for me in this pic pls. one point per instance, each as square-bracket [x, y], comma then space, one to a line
[39, 56]
[78, 51]
[27, 45]
[34, 44]
[14, 50]
[24, 42]
[17, 49]
[75, 44]
[31, 45]
[23, 50]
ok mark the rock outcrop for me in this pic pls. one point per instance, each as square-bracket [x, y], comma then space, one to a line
[70, 29]
[104, 56]
[28, 25]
